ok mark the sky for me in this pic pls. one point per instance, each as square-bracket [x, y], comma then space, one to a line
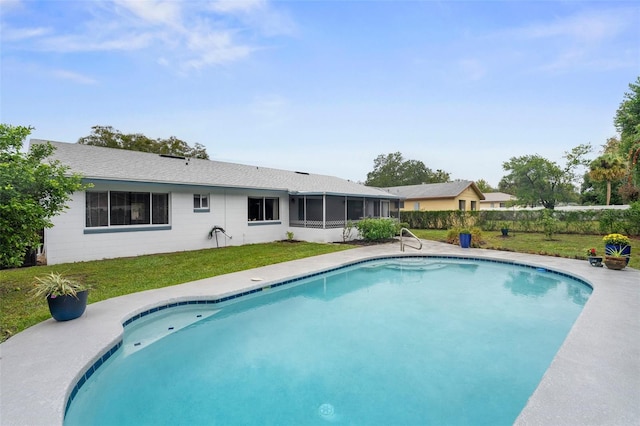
[326, 86]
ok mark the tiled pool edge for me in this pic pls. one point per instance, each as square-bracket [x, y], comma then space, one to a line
[86, 373]
[35, 393]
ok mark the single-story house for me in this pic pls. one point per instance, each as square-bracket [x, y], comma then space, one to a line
[143, 203]
[496, 200]
[457, 195]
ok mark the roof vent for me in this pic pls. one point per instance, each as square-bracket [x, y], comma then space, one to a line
[302, 173]
[173, 156]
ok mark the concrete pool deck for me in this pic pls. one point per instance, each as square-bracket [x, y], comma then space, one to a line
[594, 378]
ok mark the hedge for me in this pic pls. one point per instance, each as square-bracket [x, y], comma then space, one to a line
[569, 222]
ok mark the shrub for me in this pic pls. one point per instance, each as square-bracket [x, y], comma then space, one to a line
[453, 235]
[632, 219]
[611, 221]
[377, 229]
[549, 224]
[347, 230]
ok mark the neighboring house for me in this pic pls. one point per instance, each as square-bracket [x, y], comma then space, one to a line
[496, 200]
[143, 203]
[458, 195]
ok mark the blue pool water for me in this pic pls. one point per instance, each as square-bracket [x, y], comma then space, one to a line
[398, 341]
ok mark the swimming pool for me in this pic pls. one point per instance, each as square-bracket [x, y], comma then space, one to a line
[413, 340]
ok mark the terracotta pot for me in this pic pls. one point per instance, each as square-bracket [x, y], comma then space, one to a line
[616, 263]
[626, 250]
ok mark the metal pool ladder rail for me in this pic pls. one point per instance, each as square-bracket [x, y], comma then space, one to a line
[402, 243]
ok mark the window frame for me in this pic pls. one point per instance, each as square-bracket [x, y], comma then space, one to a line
[258, 210]
[138, 210]
[201, 208]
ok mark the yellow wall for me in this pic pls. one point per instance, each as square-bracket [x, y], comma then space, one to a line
[433, 204]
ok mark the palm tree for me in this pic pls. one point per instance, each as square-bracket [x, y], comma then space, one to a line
[608, 167]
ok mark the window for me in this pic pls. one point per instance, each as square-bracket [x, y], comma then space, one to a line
[97, 209]
[201, 202]
[114, 208]
[462, 205]
[355, 209]
[416, 206]
[262, 209]
[473, 205]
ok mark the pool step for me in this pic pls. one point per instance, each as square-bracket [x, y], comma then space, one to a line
[153, 327]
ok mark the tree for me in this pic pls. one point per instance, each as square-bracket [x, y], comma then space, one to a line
[484, 186]
[32, 191]
[594, 192]
[627, 122]
[608, 167]
[627, 118]
[109, 137]
[393, 170]
[534, 180]
[576, 158]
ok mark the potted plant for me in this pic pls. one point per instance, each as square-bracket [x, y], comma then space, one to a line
[465, 238]
[616, 258]
[504, 229]
[617, 243]
[67, 298]
[594, 259]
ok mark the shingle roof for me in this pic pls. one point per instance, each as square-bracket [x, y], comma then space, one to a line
[497, 196]
[94, 162]
[433, 190]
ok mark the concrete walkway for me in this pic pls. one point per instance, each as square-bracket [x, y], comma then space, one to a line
[593, 380]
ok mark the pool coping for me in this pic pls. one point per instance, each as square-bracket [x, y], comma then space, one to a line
[593, 379]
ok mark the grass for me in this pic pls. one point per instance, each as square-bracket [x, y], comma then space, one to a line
[572, 246]
[110, 278]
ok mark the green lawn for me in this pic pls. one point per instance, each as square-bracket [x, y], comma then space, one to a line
[110, 278]
[573, 246]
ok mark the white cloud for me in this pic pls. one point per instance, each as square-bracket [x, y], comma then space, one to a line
[17, 34]
[154, 11]
[184, 35]
[587, 27]
[82, 43]
[257, 14]
[579, 41]
[72, 76]
[9, 5]
[237, 6]
[213, 48]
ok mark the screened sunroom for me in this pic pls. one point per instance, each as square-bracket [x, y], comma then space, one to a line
[324, 211]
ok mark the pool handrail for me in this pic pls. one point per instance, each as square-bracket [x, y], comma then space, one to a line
[402, 243]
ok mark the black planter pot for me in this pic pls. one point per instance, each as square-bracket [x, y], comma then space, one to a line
[65, 308]
[505, 232]
[595, 261]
